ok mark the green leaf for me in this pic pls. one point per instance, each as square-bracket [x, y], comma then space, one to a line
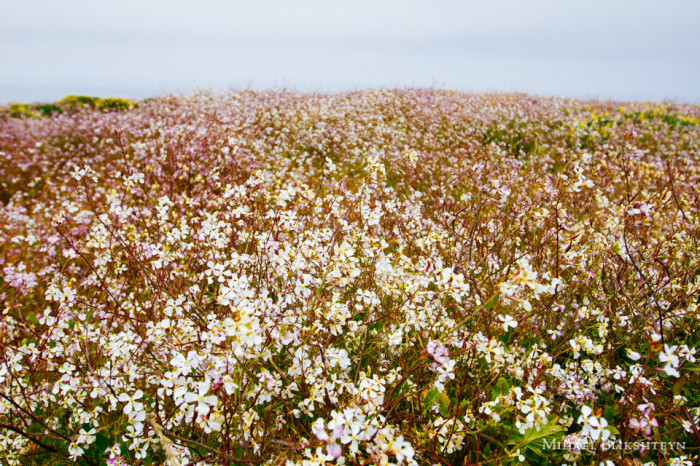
[434, 397]
[505, 338]
[691, 367]
[539, 441]
[502, 387]
[444, 402]
[491, 302]
[101, 442]
[678, 386]
[608, 412]
[430, 395]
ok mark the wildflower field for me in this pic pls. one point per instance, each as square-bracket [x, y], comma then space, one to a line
[380, 277]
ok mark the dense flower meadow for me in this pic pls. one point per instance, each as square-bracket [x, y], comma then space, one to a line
[378, 277]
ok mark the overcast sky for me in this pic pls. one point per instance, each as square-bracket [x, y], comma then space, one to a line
[624, 50]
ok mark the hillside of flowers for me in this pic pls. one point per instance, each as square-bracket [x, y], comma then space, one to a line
[405, 277]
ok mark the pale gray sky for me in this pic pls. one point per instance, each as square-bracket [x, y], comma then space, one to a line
[626, 49]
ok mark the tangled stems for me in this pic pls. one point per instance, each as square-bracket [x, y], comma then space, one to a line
[379, 277]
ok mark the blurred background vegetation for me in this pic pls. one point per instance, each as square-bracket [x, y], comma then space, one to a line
[69, 104]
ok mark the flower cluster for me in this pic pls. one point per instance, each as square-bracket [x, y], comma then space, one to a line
[380, 277]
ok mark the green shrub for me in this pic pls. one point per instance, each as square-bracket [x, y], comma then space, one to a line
[68, 104]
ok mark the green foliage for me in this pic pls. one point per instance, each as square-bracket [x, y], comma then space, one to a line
[48, 109]
[434, 398]
[538, 441]
[18, 111]
[517, 137]
[502, 387]
[115, 104]
[109, 104]
[69, 104]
